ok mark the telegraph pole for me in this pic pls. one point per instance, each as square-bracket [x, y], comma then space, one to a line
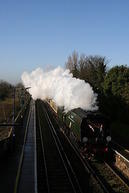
[14, 89]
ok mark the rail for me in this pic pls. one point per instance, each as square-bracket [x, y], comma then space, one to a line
[54, 163]
[106, 186]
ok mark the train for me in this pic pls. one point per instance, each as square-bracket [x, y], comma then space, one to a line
[91, 130]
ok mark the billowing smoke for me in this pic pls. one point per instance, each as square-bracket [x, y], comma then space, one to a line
[59, 85]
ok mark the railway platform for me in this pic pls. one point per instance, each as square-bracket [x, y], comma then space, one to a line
[26, 179]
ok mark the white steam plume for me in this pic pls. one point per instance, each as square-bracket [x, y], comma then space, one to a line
[59, 85]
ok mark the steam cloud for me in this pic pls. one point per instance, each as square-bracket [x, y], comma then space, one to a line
[59, 85]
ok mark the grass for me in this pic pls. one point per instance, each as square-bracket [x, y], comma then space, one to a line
[6, 109]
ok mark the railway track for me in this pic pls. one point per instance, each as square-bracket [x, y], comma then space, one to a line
[108, 179]
[94, 185]
[53, 164]
[121, 163]
[107, 176]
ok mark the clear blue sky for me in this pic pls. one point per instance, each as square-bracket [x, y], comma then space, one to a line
[45, 32]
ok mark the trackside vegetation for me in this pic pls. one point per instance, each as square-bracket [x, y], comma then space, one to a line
[111, 85]
[7, 100]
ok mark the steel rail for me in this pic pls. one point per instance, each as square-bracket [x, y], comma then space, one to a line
[58, 149]
[85, 163]
[56, 138]
[118, 153]
[114, 142]
[43, 151]
[95, 175]
[35, 151]
[115, 173]
[90, 167]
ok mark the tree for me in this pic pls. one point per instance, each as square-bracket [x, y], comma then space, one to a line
[72, 64]
[5, 89]
[116, 91]
[92, 69]
[117, 82]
